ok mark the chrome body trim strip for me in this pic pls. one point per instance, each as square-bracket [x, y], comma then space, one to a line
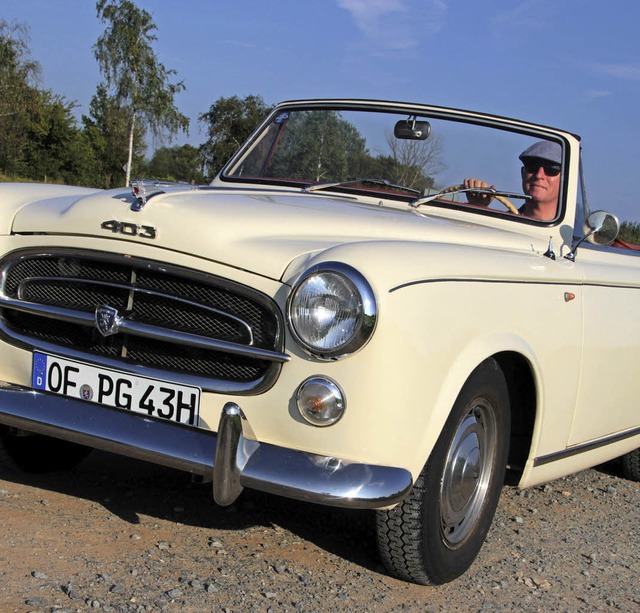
[585, 447]
[232, 458]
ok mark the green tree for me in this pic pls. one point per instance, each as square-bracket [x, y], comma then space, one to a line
[182, 163]
[107, 131]
[229, 123]
[18, 95]
[140, 83]
[338, 152]
[630, 232]
[39, 138]
[55, 149]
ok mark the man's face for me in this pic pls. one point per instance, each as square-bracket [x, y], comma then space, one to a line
[539, 182]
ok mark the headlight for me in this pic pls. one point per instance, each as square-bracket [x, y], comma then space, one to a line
[332, 310]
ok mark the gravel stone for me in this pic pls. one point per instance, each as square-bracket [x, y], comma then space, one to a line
[108, 541]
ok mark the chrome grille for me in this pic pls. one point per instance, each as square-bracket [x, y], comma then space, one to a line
[223, 335]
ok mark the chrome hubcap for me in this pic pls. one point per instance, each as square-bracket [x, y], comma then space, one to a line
[467, 472]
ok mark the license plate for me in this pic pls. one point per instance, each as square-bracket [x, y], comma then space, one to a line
[172, 401]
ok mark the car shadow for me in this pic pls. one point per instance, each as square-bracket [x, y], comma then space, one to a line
[131, 488]
[612, 468]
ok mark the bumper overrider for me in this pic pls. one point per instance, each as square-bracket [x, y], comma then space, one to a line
[232, 457]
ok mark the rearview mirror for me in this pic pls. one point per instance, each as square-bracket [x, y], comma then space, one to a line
[412, 129]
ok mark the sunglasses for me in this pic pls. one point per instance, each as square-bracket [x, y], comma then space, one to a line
[551, 170]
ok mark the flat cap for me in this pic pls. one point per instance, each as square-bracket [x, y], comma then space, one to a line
[544, 150]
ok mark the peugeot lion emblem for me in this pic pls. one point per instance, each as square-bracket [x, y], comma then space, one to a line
[107, 320]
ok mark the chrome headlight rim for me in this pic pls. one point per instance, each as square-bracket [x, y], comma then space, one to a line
[367, 315]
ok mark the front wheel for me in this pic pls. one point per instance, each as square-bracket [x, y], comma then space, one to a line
[434, 535]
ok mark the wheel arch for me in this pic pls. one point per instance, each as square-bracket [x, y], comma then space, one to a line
[519, 375]
[518, 359]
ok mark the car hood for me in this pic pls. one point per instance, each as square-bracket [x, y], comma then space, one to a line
[260, 231]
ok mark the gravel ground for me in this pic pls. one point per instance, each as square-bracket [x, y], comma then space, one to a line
[121, 535]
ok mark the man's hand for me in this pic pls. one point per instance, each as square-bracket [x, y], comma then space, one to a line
[475, 197]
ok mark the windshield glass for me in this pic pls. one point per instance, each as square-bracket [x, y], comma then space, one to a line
[405, 156]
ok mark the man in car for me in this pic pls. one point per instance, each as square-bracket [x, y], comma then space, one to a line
[541, 166]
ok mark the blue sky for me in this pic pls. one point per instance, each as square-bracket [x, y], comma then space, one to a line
[573, 64]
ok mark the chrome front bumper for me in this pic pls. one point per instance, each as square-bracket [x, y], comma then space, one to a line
[232, 457]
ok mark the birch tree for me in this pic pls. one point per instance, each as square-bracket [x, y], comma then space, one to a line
[137, 80]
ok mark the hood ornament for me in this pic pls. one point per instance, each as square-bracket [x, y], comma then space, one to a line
[107, 320]
[143, 190]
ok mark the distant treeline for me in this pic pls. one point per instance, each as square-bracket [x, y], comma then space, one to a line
[630, 232]
[42, 140]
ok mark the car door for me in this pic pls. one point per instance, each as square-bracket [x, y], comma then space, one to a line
[609, 390]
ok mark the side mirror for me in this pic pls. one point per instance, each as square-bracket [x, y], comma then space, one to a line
[412, 129]
[600, 228]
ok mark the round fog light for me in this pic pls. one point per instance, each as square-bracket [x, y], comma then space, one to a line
[320, 401]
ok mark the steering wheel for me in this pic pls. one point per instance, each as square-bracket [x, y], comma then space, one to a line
[502, 199]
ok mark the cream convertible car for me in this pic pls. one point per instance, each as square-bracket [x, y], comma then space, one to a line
[370, 307]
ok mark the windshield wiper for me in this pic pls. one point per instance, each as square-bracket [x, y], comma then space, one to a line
[385, 182]
[459, 189]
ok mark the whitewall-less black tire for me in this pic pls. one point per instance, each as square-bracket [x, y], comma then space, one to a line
[631, 465]
[435, 534]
